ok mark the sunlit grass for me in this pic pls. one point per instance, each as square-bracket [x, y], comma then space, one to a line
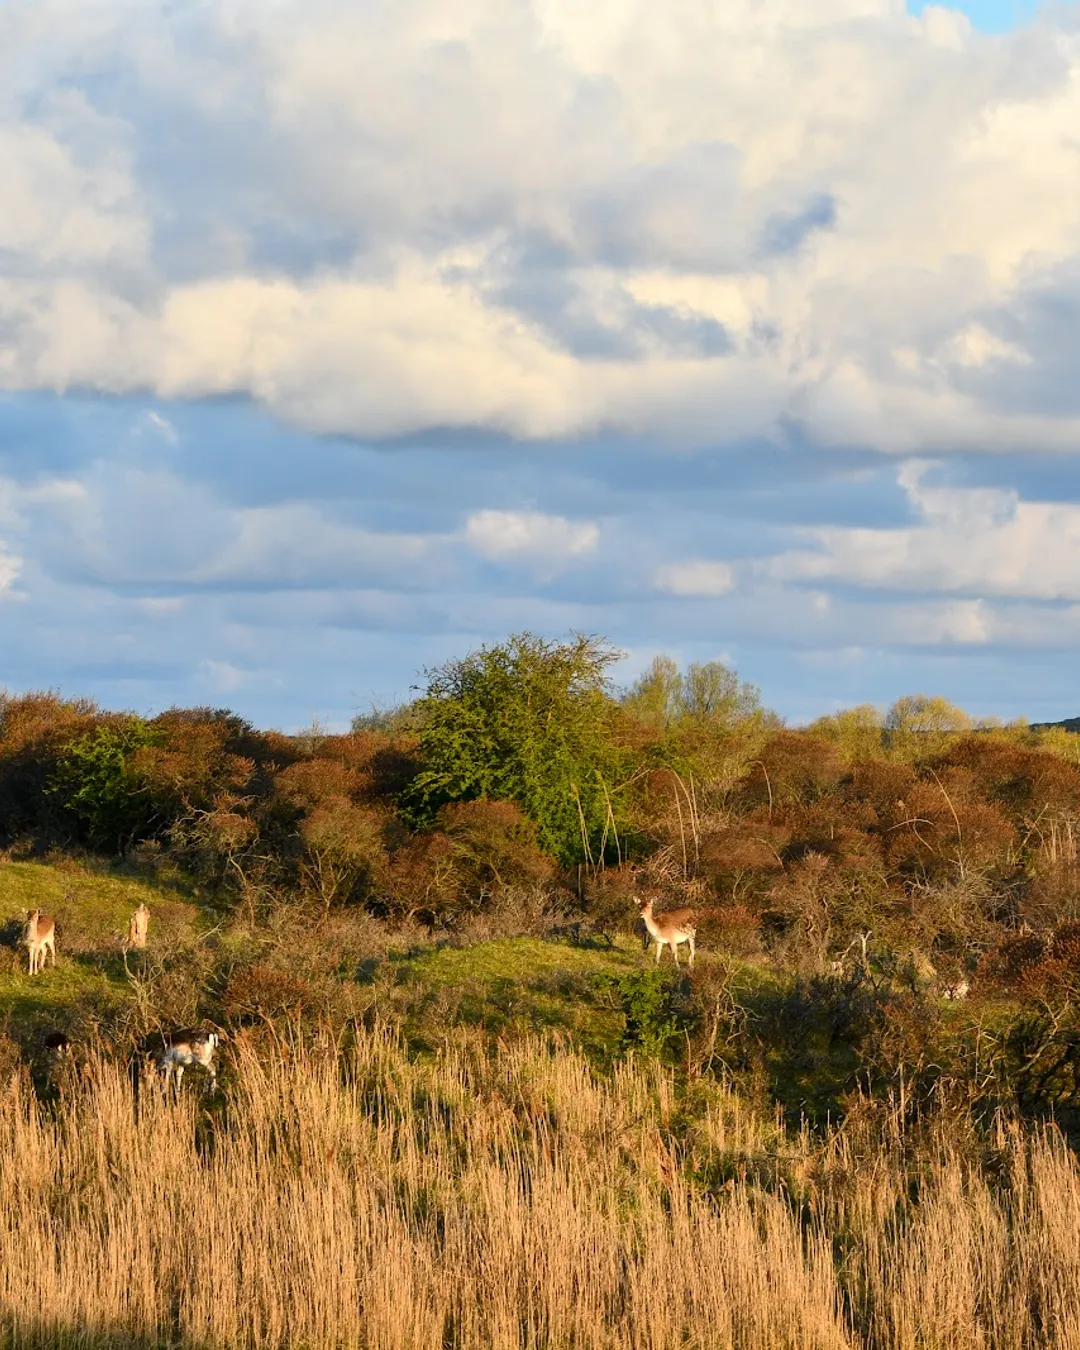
[517, 1201]
[91, 906]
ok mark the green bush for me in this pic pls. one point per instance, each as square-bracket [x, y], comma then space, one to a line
[529, 722]
[658, 1018]
[97, 783]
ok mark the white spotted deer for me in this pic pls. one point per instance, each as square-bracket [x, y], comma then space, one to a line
[669, 928]
[40, 938]
[185, 1048]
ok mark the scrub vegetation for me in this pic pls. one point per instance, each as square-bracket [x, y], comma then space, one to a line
[460, 1105]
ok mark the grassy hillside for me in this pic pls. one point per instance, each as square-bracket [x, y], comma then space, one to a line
[523, 983]
[91, 905]
[810, 1043]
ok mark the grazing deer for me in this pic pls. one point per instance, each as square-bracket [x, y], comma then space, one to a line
[40, 937]
[671, 927]
[185, 1048]
[140, 922]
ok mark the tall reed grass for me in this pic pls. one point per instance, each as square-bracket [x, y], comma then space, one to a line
[368, 1199]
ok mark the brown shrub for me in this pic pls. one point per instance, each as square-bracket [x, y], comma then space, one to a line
[34, 728]
[884, 786]
[308, 782]
[741, 860]
[344, 857]
[496, 843]
[736, 928]
[1022, 779]
[424, 879]
[793, 768]
[262, 991]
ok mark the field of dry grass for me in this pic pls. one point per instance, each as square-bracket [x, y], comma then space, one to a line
[363, 1197]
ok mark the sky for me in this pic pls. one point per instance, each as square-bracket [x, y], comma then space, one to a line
[338, 337]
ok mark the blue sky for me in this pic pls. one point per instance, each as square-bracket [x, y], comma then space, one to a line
[336, 339]
[991, 16]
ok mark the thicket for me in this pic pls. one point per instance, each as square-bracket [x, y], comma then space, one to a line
[879, 859]
[521, 764]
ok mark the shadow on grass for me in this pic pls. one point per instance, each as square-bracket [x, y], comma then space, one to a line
[56, 1334]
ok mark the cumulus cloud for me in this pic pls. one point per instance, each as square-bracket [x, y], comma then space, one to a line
[978, 541]
[531, 536]
[684, 222]
[701, 577]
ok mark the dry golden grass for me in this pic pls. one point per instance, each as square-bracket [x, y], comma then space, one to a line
[367, 1199]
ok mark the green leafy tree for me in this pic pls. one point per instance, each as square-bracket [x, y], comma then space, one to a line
[97, 780]
[528, 721]
[920, 725]
[856, 732]
[707, 693]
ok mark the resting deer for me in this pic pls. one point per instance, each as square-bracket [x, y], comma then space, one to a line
[40, 937]
[140, 922]
[185, 1048]
[671, 927]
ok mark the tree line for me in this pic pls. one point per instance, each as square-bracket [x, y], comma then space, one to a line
[523, 764]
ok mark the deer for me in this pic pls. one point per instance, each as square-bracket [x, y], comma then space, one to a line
[670, 928]
[140, 922]
[56, 1045]
[40, 937]
[185, 1048]
[861, 965]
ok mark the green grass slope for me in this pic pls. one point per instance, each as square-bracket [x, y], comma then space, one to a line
[91, 906]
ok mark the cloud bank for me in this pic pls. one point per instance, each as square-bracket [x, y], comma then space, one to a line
[698, 223]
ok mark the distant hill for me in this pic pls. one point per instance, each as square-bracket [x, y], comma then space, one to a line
[1066, 724]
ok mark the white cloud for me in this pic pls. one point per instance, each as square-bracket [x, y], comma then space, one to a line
[979, 542]
[507, 536]
[696, 578]
[128, 526]
[694, 222]
[225, 677]
[10, 567]
[297, 545]
[159, 426]
[161, 604]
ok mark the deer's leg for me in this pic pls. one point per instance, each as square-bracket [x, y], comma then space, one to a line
[691, 941]
[675, 950]
[659, 949]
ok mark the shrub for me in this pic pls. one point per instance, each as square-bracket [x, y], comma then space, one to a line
[657, 1016]
[496, 844]
[96, 782]
[529, 722]
[261, 991]
[344, 855]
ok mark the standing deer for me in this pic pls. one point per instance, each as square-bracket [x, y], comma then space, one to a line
[185, 1048]
[40, 937]
[140, 922]
[671, 927]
